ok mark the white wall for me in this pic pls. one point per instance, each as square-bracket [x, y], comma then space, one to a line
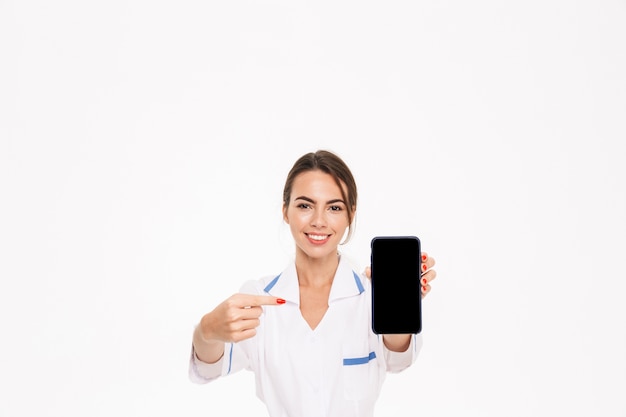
[143, 148]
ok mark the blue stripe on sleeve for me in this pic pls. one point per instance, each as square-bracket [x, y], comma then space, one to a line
[230, 359]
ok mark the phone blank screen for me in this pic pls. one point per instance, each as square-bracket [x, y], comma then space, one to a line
[396, 295]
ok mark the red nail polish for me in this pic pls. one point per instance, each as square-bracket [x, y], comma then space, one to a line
[424, 258]
[424, 281]
[280, 301]
[424, 267]
[423, 288]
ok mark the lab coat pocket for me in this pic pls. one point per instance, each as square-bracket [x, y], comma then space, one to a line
[359, 375]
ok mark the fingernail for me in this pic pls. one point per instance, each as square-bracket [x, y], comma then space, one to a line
[424, 281]
[280, 301]
[424, 257]
[423, 288]
[424, 267]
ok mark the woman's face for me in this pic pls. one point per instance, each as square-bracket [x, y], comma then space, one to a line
[317, 215]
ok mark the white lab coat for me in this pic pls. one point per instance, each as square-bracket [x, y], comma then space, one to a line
[335, 370]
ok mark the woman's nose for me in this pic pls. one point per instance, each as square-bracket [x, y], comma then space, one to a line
[319, 218]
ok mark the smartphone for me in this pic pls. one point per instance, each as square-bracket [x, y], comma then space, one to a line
[396, 292]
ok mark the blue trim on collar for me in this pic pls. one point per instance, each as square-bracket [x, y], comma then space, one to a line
[358, 282]
[269, 286]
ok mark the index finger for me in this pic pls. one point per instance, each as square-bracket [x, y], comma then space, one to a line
[249, 300]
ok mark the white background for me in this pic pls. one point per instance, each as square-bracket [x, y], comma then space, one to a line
[143, 149]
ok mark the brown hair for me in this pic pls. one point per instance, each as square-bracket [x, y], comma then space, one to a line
[331, 164]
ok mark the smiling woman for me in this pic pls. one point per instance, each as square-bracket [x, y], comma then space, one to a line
[328, 163]
[307, 333]
[318, 217]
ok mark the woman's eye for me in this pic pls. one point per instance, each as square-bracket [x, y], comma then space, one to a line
[335, 208]
[303, 206]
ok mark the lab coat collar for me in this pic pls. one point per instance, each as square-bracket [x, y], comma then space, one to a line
[346, 283]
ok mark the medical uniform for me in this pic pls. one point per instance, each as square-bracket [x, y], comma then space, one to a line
[335, 370]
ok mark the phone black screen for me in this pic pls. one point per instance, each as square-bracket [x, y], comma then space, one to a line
[396, 294]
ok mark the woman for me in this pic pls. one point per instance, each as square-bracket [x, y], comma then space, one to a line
[306, 333]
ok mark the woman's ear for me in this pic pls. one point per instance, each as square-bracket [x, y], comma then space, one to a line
[285, 218]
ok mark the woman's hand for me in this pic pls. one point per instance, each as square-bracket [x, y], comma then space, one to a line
[428, 273]
[234, 320]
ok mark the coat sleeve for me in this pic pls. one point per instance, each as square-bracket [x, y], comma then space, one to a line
[399, 361]
[202, 372]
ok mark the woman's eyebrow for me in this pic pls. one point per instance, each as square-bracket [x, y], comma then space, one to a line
[336, 200]
[305, 199]
[310, 200]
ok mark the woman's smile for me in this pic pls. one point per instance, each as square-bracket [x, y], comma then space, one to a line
[317, 239]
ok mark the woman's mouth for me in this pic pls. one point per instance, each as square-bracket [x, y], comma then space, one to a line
[316, 238]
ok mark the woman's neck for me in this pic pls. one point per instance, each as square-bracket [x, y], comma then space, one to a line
[316, 272]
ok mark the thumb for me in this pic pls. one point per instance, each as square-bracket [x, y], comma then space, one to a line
[368, 272]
